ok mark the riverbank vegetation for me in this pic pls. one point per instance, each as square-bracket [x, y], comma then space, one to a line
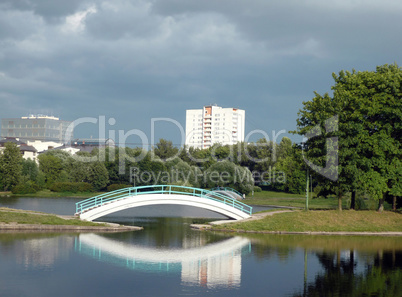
[353, 152]
[322, 221]
[46, 193]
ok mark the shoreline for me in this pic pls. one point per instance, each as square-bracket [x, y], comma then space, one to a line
[258, 216]
[63, 226]
[343, 233]
[112, 227]
[67, 228]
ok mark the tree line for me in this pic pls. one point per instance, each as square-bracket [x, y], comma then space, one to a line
[353, 149]
[241, 166]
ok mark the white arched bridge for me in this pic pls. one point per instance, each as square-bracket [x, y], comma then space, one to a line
[101, 205]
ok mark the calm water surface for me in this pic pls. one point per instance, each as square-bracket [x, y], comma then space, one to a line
[167, 259]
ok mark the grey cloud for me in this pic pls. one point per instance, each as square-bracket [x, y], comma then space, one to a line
[51, 10]
[11, 26]
[135, 60]
[122, 19]
[282, 25]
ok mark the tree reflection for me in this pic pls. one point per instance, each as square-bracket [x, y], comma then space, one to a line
[381, 276]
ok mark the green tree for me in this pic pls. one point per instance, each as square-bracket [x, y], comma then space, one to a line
[291, 165]
[30, 169]
[164, 149]
[198, 157]
[284, 149]
[228, 174]
[181, 173]
[368, 107]
[98, 175]
[10, 166]
[262, 155]
[52, 167]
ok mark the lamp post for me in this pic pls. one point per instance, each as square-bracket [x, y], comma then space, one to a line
[307, 187]
[307, 179]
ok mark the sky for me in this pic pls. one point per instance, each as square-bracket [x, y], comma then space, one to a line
[117, 67]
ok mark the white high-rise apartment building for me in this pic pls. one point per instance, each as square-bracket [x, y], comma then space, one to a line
[213, 124]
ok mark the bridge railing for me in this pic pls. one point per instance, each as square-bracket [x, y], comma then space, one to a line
[124, 193]
[227, 189]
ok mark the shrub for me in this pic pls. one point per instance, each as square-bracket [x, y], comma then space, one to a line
[71, 187]
[114, 187]
[26, 188]
[257, 189]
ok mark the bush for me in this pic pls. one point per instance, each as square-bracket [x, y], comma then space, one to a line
[71, 187]
[114, 187]
[257, 189]
[370, 204]
[25, 188]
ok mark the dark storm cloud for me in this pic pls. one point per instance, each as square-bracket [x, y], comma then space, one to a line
[138, 59]
[50, 10]
[124, 20]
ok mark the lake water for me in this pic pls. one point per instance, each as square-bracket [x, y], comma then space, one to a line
[168, 258]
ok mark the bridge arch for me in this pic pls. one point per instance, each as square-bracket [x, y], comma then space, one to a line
[101, 205]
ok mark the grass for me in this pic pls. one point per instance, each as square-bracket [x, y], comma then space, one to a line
[324, 221]
[8, 215]
[293, 200]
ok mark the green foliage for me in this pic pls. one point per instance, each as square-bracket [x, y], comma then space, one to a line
[164, 149]
[30, 168]
[51, 165]
[370, 204]
[94, 173]
[41, 180]
[114, 187]
[227, 174]
[291, 165]
[98, 177]
[369, 131]
[151, 171]
[198, 157]
[28, 187]
[72, 187]
[181, 173]
[10, 166]
[257, 189]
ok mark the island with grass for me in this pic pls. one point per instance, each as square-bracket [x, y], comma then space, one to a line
[16, 219]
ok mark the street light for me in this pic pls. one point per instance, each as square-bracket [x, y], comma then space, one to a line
[307, 179]
[307, 187]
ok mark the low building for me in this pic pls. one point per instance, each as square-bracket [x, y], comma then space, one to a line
[27, 151]
[35, 127]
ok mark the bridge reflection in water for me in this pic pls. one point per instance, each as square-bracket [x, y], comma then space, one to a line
[212, 265]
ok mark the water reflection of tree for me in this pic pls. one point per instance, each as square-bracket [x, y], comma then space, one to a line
[381, 277]
[266, 252]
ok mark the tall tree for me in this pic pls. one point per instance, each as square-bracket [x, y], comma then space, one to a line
[367, 132]
[290, 172]
[51, 166]
[10, 166]
[30, 169]
[164, 149]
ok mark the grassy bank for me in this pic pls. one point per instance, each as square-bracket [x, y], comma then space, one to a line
[15, 216]
[293, 200]
[325, 221]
